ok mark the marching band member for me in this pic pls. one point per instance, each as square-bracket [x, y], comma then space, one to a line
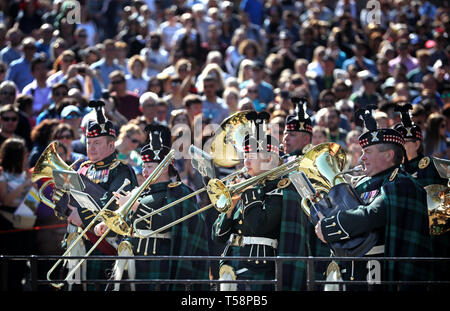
[424, 170]
[265, 220]
[298, 130]
[394, 209]
[108, 172]
[296, 140]
[187, 238]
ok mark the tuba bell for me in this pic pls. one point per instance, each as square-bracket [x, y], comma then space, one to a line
[47, 162]
[438, 201]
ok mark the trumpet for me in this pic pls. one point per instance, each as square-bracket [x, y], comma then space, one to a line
[138, 233]
[221, 195]
[115, 220]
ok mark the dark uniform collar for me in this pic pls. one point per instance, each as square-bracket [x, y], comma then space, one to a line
[106, 161]
[158, 187]
[376, 181]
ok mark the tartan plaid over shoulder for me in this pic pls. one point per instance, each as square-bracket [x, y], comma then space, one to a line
[294, 240]
[406, 229]
[189, 238]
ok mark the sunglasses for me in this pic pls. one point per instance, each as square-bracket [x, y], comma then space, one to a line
[8, 119]
[117, 81]
[67, 60]
[253, 91]
[60, 93]
[68, 136]
[71, 116]
[134, 141]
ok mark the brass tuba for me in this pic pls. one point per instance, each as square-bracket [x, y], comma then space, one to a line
[47, 162]
[225, 146]
[324, 165]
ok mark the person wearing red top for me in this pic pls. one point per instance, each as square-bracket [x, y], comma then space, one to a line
[127, 103]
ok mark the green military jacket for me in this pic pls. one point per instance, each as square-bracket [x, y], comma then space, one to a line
[271, 210]
[110, 175]
[396, 206]
[423, 169]
[187, 238]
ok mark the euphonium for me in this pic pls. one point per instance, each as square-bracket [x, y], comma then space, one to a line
[220, 194]
[324, 166]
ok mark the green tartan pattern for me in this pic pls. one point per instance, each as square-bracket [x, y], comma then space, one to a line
[295, 239]
[188, 238]
[440, 243]
[406, 230]
[426, 176]
[192, 239]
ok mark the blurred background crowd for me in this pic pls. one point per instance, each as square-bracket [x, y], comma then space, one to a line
[196, 62]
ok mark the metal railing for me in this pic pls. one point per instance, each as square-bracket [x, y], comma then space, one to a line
[312, 284]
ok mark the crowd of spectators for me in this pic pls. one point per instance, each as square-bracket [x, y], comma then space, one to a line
[190, 61]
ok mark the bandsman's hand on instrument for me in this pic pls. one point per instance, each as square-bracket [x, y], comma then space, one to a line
[318, 230]
[234, 200]
[122, 199]
[74, 217]
[100, 229]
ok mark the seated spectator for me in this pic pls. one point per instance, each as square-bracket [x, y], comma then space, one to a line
[359, 60]
[9, 117]
[19, 71]
[435, 140]
[71, 115]
[354, 149]
[107, 64]
[416, 75]
[193, 106]
[137, 80]
[64, 134]
[403, 57]
[58, 93]
[335, 133]
[127, 102]
[367, 95]
[41, 137]
[12, 51]
[128, 141]
[382, 119]
[24, 104]
[38, 88]
[231, 97]
[265, 90]
[319, 135]
[15, 182]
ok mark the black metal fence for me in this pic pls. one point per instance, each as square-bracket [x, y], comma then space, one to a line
[313, 284]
